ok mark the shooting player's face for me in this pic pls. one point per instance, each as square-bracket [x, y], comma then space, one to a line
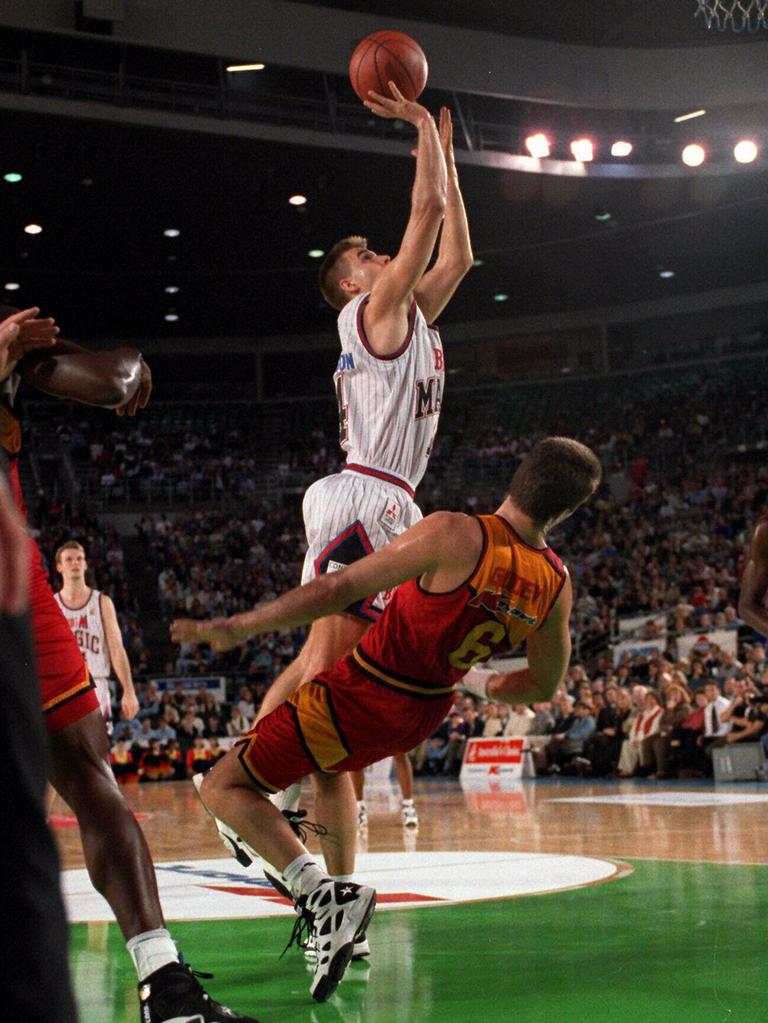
[363, 267]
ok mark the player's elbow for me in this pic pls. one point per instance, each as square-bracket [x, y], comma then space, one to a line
[430, 206]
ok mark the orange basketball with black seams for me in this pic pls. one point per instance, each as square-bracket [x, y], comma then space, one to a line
[388, 56]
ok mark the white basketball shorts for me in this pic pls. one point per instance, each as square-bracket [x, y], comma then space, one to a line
[349, 515]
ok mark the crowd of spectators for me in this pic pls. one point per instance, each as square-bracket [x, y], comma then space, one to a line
[661, 718]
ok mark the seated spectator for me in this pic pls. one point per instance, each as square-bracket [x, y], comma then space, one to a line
[238, 724]
[543, 720]
[173, 752]
[519, 723]
[145, 734]
[246, 705]
[164, 732]
[564, 746]
[214, 728]
[685, 739]
[456, 736]
[198, 758]
[189, 728]
[645, 725]
[603, 748]
[493, 724]
[155, 764]
[149, 703]
[123, 763]
[746, 716]
[715, 725]
[126, 728]
[657, 749]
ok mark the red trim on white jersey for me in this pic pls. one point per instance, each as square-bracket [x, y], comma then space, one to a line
[364, 337]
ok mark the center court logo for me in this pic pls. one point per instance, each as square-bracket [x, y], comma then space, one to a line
[220, 889]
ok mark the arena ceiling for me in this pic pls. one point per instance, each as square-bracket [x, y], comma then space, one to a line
[105, 192]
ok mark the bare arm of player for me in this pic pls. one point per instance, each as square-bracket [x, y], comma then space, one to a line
[119, 658]
[754, 582]
[548, 650]
[14, 554]
[118, 379]
[443, 548]
[454, 255]
[386, 315]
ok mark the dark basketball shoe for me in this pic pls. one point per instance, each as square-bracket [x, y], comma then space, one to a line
[335, 913]
[173, 994]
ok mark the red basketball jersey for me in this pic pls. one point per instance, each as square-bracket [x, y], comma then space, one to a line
[428, 641]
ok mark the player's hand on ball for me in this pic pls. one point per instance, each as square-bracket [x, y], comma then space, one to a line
[396, 106]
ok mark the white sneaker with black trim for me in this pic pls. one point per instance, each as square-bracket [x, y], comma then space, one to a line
[410, 817]
[234, 844]
[336, 912]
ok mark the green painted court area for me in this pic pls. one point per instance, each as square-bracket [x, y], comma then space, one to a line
[669, 942]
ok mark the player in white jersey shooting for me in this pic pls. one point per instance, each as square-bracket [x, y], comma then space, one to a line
[92, 617]
[389, 383]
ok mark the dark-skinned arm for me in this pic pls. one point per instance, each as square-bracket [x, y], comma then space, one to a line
[754, 582]
[118, 379]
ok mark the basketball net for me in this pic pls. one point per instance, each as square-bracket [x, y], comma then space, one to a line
[738, 15]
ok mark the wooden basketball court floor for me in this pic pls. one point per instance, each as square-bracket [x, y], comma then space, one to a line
[536, 902]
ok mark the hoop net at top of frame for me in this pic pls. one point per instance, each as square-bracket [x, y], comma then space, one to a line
[737, 15]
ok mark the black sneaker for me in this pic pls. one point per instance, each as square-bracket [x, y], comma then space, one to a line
[173, 994]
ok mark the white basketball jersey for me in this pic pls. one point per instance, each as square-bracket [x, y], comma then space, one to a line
[388, 405]
[88, 627]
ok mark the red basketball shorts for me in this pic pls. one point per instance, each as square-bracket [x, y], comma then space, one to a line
[66, 690]
[341, 721]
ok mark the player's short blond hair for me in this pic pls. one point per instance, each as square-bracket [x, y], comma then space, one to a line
[68, 545]
[333, 268]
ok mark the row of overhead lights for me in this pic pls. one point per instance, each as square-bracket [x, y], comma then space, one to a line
[13, 177]
[583, 150]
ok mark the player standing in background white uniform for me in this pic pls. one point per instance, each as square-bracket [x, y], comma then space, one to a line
[92, 618]
[389, 382]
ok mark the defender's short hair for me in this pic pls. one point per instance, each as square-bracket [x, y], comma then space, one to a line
[332, 270]
[557, 474]
[68, 545]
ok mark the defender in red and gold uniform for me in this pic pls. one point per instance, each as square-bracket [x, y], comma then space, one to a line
[471, 587]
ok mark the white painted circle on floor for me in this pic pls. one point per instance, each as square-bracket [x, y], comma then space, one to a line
[221, 888]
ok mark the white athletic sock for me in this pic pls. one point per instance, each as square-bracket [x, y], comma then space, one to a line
[341, 878]
[303, 875]
[151, 950]
[407, 802]
[361, 804]
[287, 799]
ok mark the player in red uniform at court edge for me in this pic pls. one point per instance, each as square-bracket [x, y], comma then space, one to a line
[472, 587]
[116, 853]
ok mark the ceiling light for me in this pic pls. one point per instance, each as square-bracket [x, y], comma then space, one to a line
[316, 253]
[297, 200]
[170, 317]
[12, 177]
[693, 155]
[603, 215]
[33, 229]
[245, 67]
[477, 262]
[538, 146]
[582, 150]
[688, 117]
[666, 274]
[171, 289]
[12, 286]
[501, 297]
[171, 232]
[745, 151]
[621, 148]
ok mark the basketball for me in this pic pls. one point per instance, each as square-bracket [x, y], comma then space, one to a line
[384, 57]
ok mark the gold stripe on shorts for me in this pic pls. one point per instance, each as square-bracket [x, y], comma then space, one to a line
[81, 687]
[319, 730]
